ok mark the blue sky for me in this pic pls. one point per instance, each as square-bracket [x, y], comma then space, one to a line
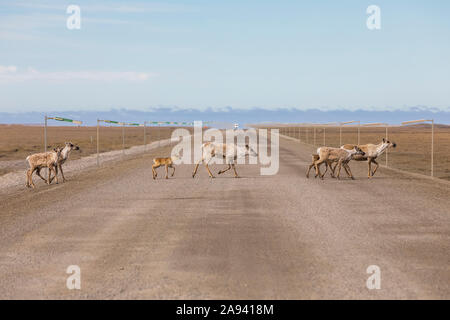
[214, 54]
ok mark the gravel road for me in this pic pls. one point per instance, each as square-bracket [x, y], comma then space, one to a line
[257, 237]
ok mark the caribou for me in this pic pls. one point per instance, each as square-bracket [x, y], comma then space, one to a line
[342, 156]
[228, 151]
[38, 161]
[372, 151]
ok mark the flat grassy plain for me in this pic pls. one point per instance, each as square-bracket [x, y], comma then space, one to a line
[19, 141]
[413, 152]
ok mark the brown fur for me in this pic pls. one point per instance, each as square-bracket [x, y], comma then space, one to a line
[61, 160]
[341, 156]
[43, 160]
[229, 152]
[167, 162]
[316, 157]
[371, 154]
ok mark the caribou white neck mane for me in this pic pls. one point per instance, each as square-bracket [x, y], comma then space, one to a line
[350, 152]
[381, 148]
[65, 153]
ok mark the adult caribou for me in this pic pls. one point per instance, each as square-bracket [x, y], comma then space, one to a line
[65, 152]
[229, 151]
[372, 151]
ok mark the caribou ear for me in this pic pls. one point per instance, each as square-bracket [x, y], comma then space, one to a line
[384, 140]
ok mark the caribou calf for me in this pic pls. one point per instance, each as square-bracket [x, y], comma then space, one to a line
[38, 161]
[328, 163]
[167, 162]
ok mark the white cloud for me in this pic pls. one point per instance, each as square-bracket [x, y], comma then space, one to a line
[7, 69]
[10, 74]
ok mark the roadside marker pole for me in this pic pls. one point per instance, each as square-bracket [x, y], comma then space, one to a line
[123, 138]
[340, 130]
[145, 137]
[387, 135]
[45, 134]
[432, 138]
[325, 125]
[432, 148]
[170, 136]
[159, 134]
[123, 132]
[359, 129]
[57, 119]
[324, 129]
[314, 136]
[98, 135]
[98, 141]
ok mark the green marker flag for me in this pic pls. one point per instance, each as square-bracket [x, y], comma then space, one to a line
[65, 119]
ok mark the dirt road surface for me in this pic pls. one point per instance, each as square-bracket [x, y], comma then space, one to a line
[257, 237]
